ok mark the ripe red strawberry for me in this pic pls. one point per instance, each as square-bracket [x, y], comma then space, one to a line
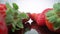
[3, 27]
[53, 18]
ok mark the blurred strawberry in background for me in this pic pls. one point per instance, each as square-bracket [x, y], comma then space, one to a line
[3, 27]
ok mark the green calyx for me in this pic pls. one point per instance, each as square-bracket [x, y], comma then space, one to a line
[14, 17]
[54, 16]
[56, 6]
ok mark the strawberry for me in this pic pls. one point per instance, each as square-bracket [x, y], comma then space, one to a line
[14, 18]
[3, 27]
[53, 18]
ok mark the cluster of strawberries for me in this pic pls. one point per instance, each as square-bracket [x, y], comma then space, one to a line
[42, 19]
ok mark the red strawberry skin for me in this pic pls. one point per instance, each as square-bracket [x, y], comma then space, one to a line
[48, 24]
[40, 19]
[3, 27]
[3, 7]
[46, 10]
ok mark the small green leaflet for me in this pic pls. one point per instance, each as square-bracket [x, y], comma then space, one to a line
[50, 13]
[15, 6]
[57, 24]
[19, 24]
[52, 19]
[23, 15]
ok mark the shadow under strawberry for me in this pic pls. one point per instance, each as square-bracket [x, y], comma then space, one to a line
[41, 29]
[16, 31]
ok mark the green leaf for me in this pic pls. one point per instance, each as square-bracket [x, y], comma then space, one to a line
[50, 13]
[14, 26]
[23, 16]
[15, 18]
[15, 6]
[58, 20]
[9, 9]
[9, 19]
[56, 6]
[8, 6]
[52, 19]
[54, 16]
[13, 30]
[19, 24]
[57, 24]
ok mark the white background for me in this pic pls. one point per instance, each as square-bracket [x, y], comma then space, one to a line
[32, 6]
